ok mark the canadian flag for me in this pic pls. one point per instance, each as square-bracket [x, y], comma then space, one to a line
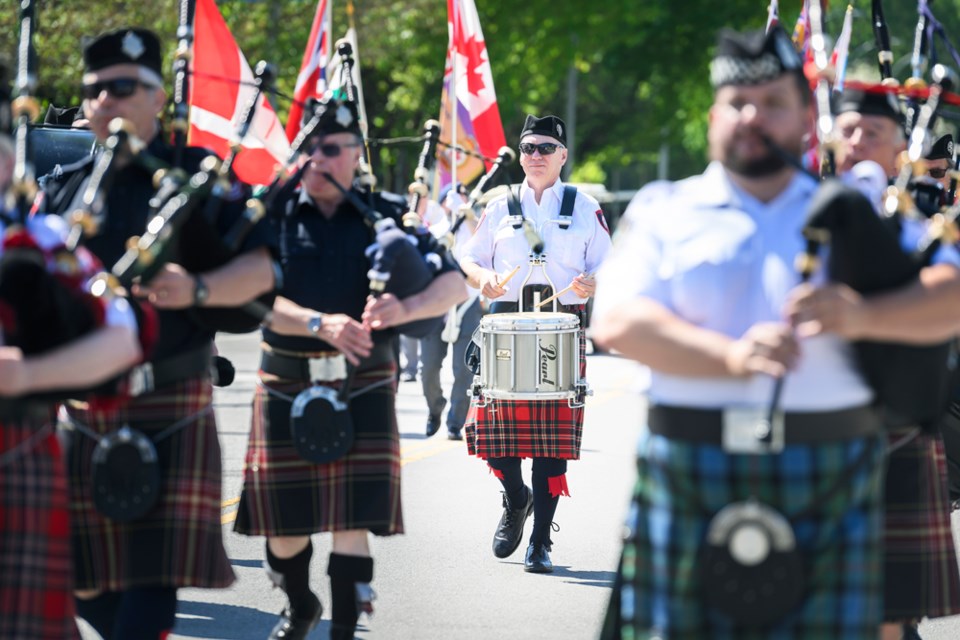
[468, 88]
[220, 89]
[312, 81]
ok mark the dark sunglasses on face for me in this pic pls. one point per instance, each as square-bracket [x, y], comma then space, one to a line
[118, 88]
[937, 173]
[331, 149]
[545, 148]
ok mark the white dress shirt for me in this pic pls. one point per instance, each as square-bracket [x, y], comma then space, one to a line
[580, 248]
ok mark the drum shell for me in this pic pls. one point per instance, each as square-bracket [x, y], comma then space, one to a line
[533, 356]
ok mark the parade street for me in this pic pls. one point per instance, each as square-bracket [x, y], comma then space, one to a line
[440, 579]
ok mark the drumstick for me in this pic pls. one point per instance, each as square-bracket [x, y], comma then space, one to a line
[554, 296]
[506, 279]
[558, 294]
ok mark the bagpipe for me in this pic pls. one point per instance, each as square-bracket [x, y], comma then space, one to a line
[912, 383]
[183, 224]
[50, 292]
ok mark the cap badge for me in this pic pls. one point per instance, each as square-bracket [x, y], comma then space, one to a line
[559, 130]
[133, 46]
[344, 117]
[950, 148]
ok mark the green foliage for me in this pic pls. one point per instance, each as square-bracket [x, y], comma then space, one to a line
[641, 67]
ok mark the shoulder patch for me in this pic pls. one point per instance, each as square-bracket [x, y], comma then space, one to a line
[602, 221]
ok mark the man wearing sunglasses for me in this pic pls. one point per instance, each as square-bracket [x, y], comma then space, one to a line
[128, 572]
[940, 160]
[324, 318]
[575, 238]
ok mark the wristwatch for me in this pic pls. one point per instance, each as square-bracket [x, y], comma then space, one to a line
[315, 324]
[200, 291]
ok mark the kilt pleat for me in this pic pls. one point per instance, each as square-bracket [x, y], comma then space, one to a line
[920, 562]
[526, 428]
[841, 540]
[284, 495]
[178, 543]
[36, 598]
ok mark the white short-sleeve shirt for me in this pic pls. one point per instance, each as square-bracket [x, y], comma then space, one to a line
[721, 259]
[580, 248]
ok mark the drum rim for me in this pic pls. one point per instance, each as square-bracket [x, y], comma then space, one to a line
[552, 321]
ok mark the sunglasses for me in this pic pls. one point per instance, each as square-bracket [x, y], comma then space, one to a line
[330, 149]
[937, 173]
[545, 148]
[117, 88]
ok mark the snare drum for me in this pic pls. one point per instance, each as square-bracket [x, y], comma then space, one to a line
[530, 356]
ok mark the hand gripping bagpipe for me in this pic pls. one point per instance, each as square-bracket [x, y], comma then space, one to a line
[402, 263]
[182, 225]
[912, 383]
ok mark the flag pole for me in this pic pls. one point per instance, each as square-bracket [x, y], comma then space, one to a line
[452, 97]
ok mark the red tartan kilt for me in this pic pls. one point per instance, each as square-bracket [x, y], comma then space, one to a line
[179, 542]
[285, 495]
[526, 428]
[36, 598]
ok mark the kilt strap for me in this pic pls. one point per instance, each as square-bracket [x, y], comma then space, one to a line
[705, 426]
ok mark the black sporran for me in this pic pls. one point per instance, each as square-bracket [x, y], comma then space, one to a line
[749, 565]
[126, 475]
[320, 425]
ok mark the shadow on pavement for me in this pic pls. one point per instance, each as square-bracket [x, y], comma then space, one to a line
[230, 622]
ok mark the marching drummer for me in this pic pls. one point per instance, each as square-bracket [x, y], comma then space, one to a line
[551, 238]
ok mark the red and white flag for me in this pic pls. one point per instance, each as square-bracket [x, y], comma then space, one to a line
[217, 100]
[773, 15]
[313, 79]
[468, 87]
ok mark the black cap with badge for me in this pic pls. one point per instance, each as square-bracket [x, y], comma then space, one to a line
[124, 46]
[336, 116]
[942, 148]
[546, 126]
[869, 103]
[753, 57]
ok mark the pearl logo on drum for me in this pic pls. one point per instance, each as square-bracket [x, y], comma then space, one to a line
[548, 354]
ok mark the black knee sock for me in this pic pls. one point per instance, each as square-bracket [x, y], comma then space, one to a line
[508, 473]
[296, 579]
[146, 612]
[345, 572]
[100, 612]
[544, 504]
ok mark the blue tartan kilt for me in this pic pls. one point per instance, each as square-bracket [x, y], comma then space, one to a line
[660, 593]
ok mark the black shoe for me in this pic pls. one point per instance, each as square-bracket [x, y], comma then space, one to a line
[433, 425]
[408, 377]
[537, 559]
[510, 530]
[910, 631]
[294, 626]
[454, 435]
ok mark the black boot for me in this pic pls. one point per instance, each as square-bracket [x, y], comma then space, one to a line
[510, 528]
[350, 578]
[304, 610]
[537, 559]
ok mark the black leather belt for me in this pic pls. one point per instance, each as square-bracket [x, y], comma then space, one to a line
[705, 426]
[155, 375]
[298, 368]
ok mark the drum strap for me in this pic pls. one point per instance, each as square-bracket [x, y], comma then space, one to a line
[566, 206]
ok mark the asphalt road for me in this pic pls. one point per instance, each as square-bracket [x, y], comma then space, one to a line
[440, 579]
